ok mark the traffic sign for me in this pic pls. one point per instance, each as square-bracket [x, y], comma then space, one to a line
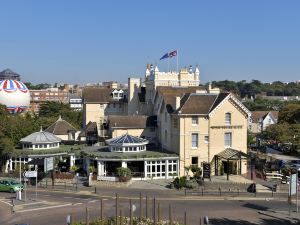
[293, 184]
[48, 164]
[30, 174]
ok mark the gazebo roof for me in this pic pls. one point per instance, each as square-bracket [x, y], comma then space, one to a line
[232, 154]
[40, 138]
[126, 139]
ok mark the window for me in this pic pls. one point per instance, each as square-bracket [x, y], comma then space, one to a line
[227, 139]
[227, 119]
[175, 122]
[194, 160]
[194, 120]
[206, 139]
[194, 140]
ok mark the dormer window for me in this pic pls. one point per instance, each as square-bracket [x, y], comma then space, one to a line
[227, 119]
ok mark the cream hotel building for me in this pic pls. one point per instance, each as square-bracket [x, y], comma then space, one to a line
[183, 122]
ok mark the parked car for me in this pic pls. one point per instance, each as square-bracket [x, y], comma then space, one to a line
[10, 185]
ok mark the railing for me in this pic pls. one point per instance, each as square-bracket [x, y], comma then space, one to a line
[233, 193]
[58, 185]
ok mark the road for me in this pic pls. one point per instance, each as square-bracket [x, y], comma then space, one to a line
[279, 155]
[219, 211]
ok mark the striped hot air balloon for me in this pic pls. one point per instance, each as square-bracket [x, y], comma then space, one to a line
[14, 95]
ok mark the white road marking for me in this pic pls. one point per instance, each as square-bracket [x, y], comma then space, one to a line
[93, 201]
[41, 208]
[33, 203]
[79, 203]
[6, 203]
[68, 197]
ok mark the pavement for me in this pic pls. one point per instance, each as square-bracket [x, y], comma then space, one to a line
[161, 184]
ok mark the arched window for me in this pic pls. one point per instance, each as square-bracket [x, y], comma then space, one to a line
[227, 119]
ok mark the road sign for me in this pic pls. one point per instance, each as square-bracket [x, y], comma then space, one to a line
[206, 170]
[29, 174]
[48, 164]
[293, 184]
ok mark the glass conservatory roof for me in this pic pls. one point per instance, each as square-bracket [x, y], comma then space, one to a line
[126, 139]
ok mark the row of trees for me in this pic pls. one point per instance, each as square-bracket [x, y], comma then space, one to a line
[248, 89]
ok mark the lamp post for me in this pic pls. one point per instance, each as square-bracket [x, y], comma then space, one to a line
[20, 170]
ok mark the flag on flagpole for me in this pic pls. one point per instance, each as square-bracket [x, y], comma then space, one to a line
[169, 55]
[164, 56]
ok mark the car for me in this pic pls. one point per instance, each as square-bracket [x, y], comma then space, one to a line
[10, 185]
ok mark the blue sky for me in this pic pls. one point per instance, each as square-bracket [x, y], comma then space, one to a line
[75, 41]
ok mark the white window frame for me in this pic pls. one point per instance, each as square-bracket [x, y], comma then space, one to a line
[206, 139]
[196, 142]
[228, 119]
[226, 144]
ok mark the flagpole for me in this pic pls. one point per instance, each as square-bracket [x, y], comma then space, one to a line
[168, 64]
[177, 61]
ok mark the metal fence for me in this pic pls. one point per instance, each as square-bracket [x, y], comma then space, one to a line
[143, 210]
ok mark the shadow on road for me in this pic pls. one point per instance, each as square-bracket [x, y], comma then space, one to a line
[255, 206]
[244, 222]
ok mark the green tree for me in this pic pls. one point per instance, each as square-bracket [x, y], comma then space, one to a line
[50, 111]
[290, 114]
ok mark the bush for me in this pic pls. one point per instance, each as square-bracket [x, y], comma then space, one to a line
[180, 182]
[197, 172]
[191, 184]
[74, 168]
[124, 174]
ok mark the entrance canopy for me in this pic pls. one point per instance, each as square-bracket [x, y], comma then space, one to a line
[232, 154]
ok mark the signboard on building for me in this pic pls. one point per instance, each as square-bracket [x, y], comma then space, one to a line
[48, 164]
[29, 174]
[206, 170]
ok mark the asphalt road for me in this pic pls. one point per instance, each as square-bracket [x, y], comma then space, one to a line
[219, 211]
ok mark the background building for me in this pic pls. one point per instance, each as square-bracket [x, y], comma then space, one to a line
[37, 97]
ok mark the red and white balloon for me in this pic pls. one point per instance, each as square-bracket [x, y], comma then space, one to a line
[14, 95]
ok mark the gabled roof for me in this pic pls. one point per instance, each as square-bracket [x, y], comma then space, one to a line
[60, 127]
[274, 114]
[257, 116]
[168, 93]
[219, 99]
[197, 103]
[91, 127]
[132, 121]
[126, 139]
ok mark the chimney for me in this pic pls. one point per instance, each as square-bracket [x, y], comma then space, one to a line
[177, 102]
